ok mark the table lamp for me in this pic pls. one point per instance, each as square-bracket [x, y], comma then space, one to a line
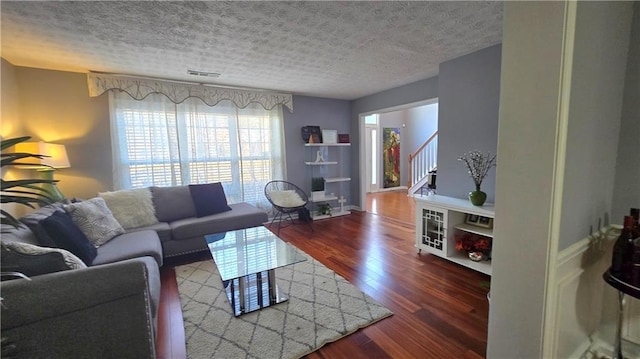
[56, 158]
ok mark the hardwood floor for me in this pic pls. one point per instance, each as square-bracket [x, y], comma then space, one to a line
[440, 308]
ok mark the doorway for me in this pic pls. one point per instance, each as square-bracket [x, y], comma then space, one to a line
[416, 122]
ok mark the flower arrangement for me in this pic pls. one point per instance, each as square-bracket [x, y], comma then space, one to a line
[478, 165]
[476, 246]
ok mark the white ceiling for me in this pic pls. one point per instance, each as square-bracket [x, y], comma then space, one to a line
[342, 50]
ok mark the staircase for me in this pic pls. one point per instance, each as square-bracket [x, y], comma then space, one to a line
[421, 162]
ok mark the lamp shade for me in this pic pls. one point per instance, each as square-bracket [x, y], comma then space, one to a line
[57, 154]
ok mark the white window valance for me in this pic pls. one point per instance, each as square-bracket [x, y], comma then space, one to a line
[177, 92]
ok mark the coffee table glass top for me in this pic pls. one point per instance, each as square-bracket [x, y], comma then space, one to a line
[249, 251]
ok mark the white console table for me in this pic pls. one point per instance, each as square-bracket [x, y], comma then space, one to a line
[438, 218]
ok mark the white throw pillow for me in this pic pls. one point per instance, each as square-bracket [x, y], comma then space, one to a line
[95, 220]
[288, 198]
[132, 208]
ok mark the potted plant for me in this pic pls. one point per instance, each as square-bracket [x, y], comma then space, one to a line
[26, 192]
[317, 188]
[324, 209]
[478, 165]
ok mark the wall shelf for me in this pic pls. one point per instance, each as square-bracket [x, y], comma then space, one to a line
[326, 144]
[335, 175]
[337, 179]
[321, 163]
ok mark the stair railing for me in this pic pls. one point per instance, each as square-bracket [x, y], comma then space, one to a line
[421, 161]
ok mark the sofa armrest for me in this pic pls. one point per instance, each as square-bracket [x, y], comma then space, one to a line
[100, 311]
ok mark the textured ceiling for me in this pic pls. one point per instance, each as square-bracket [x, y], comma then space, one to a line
[328, 49]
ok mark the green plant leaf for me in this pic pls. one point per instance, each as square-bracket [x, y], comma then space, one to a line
[13, 141]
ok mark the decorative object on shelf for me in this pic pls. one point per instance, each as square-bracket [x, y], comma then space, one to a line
[478, 165]
[391, 155]
[342, 201]
[343, 138]
[317, 188]
[308, 131]
[319, 157]
[22, 191]
[476, 247]
[329, 136]
[324, 209]
[480, 221]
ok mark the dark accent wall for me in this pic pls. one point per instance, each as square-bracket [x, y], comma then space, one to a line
[329, 114]
[469, 98]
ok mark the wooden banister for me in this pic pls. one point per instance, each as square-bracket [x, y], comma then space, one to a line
[415, 154]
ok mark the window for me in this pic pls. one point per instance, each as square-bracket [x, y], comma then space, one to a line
[159, 143]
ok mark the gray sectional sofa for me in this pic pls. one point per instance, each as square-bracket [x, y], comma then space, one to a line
[109, 308]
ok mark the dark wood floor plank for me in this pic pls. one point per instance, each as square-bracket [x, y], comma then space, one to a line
[440, 308]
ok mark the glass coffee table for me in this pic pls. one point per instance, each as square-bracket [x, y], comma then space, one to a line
[247, 260]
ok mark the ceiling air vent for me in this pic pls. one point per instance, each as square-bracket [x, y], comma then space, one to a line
[202, 73]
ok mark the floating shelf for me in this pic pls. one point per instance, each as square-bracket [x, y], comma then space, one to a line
[335, 214]
[337, 179]
[321, 163]
[326, 144]
[324, 199]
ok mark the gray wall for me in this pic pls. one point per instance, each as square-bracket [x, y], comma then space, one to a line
[329, 114]
[597, 84]
[422, 122]
[469, 97]
[534, 169]
[627, 181]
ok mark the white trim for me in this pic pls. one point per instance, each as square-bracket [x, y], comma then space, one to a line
[550, 306]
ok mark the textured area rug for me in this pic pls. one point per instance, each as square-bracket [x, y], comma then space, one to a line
[322, 307]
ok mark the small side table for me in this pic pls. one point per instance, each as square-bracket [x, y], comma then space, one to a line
[623, 288]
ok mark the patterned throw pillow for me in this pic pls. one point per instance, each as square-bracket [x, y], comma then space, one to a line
[32, 260]
[95, 220]
[132, 208]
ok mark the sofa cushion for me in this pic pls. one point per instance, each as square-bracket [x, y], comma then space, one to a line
[241, 215]
[172, 203]
[130, 245]
[66, 235]
[209, 199]
[161, 228]
[33, 219]
[33, 260]
[95, 220]
[131, 208]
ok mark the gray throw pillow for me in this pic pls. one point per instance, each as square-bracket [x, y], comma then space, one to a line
[172, 203]
[95, 220]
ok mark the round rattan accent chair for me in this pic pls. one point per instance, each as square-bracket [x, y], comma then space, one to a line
[286, 198]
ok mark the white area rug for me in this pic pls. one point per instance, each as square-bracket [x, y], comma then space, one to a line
[322, 307]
